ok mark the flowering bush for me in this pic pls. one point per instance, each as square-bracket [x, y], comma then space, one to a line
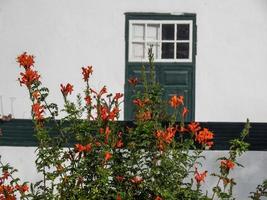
[156, 158]
[9, 186]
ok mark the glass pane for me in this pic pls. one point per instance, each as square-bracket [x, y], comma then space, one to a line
[138, 31]
[182, 31]
[138, 50]
[167, 50]
[152, 32]
[167, 31]
[182, 50]
[155, 49]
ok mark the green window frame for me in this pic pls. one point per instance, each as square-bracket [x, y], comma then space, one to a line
[175, 54]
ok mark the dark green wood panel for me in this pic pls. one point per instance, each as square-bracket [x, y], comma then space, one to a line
[176, 78]
[178, 82]
[19, 132]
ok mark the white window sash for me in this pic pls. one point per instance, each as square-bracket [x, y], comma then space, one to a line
[159, 41]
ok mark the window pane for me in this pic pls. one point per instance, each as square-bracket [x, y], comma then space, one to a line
[167, 31]
[138, 50]
[155, 49]
[167, 50]
[182, 31]
[182, 50]
[138, 31]
[152, 32]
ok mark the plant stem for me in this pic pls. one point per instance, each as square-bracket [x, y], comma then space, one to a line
[213, 195]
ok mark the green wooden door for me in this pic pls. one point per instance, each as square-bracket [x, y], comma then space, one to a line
[174, 46]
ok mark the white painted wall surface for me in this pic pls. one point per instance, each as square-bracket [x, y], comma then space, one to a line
[65, 35]
[247, 178]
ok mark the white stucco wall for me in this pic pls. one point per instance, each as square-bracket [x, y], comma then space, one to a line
[65, 35]
[247, 178]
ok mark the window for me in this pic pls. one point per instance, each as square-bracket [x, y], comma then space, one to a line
[173, 41]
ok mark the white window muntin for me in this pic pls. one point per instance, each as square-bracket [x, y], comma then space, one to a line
[159, 41]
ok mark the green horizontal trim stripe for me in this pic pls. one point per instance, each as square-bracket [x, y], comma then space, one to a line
[20, 132]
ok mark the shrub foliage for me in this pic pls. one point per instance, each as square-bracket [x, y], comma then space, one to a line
[157, 158]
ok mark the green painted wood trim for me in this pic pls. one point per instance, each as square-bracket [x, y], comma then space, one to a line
[20, 132]
[158, 16]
